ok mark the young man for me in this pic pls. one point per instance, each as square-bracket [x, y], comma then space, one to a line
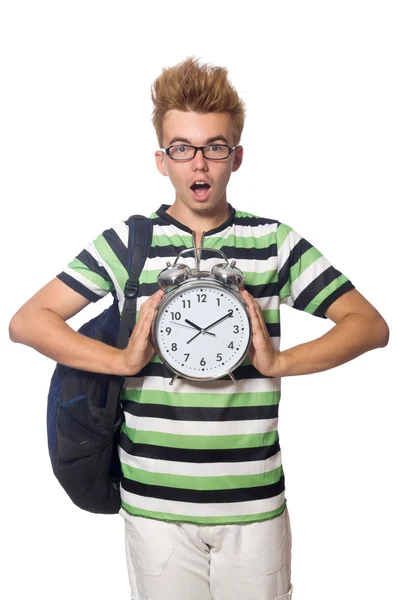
[203, 494]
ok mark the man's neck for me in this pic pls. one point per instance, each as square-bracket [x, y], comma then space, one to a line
[197, 221]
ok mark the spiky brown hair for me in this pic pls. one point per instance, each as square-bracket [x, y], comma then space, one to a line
[189, 86]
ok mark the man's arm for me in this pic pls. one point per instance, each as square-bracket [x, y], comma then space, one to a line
[40, 323]
[358, 328]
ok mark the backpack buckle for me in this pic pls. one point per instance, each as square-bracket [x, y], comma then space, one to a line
[131, 289]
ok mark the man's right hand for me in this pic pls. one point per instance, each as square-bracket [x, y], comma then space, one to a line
[140, 350]
[41, 324]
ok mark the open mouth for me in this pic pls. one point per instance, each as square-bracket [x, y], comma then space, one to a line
[200, 190]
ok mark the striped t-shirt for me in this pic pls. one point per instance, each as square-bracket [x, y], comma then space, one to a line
[208, 452]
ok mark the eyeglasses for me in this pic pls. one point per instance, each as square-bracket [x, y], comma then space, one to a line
[187, 152]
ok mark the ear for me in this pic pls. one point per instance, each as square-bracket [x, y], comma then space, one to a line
[237, 158]
[161, 162]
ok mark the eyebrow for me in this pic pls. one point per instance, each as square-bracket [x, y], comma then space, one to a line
[213, 139]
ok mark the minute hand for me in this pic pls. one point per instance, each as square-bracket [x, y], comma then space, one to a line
[229, 314]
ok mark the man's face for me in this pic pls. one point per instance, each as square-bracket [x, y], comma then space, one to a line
[198, 130]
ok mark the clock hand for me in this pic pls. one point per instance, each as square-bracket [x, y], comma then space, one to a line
[193, 324]
[229, 314]
[197, 327]
[188, 327]
[181, 324]
[191, 339]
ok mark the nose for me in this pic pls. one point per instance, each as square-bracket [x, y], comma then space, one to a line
[199, 162]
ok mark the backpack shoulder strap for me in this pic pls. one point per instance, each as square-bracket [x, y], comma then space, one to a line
[139, 242]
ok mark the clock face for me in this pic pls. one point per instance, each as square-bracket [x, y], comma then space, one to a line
[181, 341]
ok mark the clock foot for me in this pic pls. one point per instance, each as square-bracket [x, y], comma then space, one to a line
[232, 377]
[173, 379]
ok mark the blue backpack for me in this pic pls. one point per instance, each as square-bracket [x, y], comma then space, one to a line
[84, 412]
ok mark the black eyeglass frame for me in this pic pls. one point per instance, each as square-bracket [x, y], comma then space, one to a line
[196, 148]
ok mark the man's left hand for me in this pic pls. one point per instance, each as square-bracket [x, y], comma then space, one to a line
[262, 354]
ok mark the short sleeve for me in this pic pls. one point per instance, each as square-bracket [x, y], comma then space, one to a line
[102, 266]
[307, 281]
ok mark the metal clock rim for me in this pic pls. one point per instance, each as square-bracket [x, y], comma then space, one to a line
[191, 283]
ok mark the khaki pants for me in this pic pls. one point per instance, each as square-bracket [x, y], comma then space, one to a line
[180, 561]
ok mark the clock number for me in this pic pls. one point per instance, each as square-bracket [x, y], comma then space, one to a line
[219, 357]
[202, 362]
[230, 311]
[174, 347]
[168, 330]
[202, 297]
[184, 303]
[231, 345]
[219, 301]
[176, 316]
[187, 356]
[236, 329]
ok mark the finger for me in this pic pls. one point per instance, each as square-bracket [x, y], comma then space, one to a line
[141, 331]
[254, 316]
[151, 301]
[261, 321]
[145, 320]
[258, 311]
[258, 325]
[140, 339]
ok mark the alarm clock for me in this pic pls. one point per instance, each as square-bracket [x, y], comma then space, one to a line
[201, 330]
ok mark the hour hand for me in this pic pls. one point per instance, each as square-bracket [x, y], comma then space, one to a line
[197, 327]
[193, 324]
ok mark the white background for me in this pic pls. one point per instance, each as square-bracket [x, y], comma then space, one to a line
[77, 155]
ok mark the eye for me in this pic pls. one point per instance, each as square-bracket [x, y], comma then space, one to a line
[215, 148]
[181, 149]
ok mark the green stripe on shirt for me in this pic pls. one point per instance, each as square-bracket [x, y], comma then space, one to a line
[85, 272]
[204, 399]
[331, 287]
[106, 252]
[218, 482]
[201, 442]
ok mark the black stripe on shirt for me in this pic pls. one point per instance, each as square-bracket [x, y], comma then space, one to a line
[315, 287]
[198, 455]
[249, 253]
[114, 241]
[92, 264]
[295, 255]
[254, 221]
[204, 496]
[298, 251]
[231, 252]
[193, 413]
[264, 290]
[163, 218]
[78, 287]
[326, 303]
